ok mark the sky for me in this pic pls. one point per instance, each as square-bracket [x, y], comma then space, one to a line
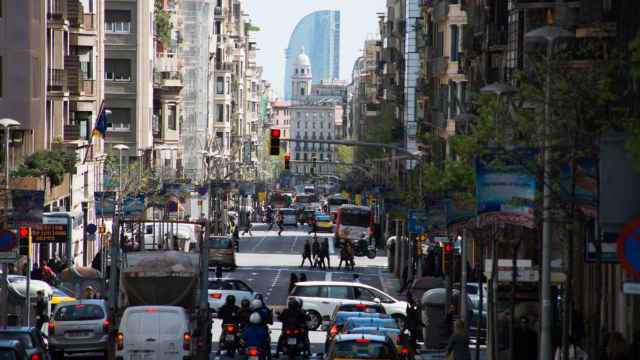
[277, 19]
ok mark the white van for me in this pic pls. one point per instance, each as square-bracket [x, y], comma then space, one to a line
[154, 333]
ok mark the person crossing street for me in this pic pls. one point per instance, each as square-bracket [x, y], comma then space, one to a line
[280, 223]
[306, 254]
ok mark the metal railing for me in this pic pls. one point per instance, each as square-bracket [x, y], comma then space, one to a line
[57, 9]
[57, 80]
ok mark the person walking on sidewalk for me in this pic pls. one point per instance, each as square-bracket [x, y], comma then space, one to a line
[306, 254]
[413, 322]
[458, 347]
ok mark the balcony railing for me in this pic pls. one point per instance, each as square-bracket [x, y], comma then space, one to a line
[89, 22]
[57, 10]
[75, 13]
[217, 11]
[57, 80]
[72, 132]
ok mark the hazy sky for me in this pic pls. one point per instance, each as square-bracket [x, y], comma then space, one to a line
[278, 18]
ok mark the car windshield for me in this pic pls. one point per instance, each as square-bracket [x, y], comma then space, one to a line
[24, 338]
[79, 312]
[220, 243]
[7, 354]
[355, 218]
[220, 285]
[362, 350]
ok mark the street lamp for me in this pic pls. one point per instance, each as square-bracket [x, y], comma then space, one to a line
[7, 124]
[547, 34]
[120, 148]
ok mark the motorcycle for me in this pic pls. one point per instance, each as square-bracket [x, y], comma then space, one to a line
[365, 247]
[294, 344]
[254, 353]
[230, 339]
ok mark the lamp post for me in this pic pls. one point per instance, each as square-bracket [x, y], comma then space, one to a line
[547, 34]
[120, 148]
[7, 124]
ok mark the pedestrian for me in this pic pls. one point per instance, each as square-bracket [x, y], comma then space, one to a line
[41, 309]
[306, 254]
[315, 252]
[302, 277]
[219, 271]
[458, 347]
[413, 322]
[280, 223]
[324, 253]
[616, 347]
[89, 292]
[343, 257]
[293, 279]
[350, 257]
[449, 319]
[356, 279]
[48, 275]
[269, 218]
[525, 343]
[314, 225]
[575, 351]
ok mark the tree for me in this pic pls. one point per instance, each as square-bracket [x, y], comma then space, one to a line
[52, 164]
[135, 177]
[163, 24]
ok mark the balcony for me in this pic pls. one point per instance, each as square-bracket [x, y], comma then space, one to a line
[57, 80]
[168, 79]
[57, 11]
[88, 87]
[440, 10]
[74, 132]
[89, 22]
[75, 13]
[217, 12]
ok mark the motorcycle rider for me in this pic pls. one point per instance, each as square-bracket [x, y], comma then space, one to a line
[266, 318]
[229, 315]
[257, 335]
[292, 318]
[245, 313]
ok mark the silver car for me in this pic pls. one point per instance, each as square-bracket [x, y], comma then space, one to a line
[79, 326]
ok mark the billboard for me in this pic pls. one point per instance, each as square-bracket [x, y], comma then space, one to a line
[506, 187]
[133, 206]
[105, 203]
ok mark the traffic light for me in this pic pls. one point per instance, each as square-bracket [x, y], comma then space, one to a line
[447, 257]
[287, 158]
[24, 243]
[275, 142]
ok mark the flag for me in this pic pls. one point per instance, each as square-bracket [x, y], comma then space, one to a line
[100, 129]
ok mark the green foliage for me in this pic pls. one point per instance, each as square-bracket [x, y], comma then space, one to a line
[163, 24]
[135, 177]
[250, 27]
[634, 47]
[53, 164]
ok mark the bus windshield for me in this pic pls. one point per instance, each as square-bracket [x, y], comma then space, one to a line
[337, 201]
[355, 218]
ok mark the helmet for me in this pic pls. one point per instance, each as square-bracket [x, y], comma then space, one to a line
[292, 304]
[256, 304]
[231, 300]
[299, 301]
[255, 318]
[245, 303]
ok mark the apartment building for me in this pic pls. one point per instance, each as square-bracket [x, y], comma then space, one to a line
[51, 82]
[128, 74]
[281, 120]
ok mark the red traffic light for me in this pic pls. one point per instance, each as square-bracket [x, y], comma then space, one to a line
[23, 232]
[275, 133]
[287, 157]
[448, 248]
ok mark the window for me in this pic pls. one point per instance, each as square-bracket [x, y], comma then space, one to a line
[219, 139]
[454, 43]
[171, 116]
[301, 91]
[339, 292]
[220, 113]
[298, 156]
[117, 69]
[363, 294]
[296, 71]
[218, 28]
[306, 291]
[79, 312]
[239, 285]
[120, 119]
[117, 21]
[220, 85]
[302, 71]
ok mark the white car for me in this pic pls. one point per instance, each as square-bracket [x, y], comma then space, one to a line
[289, 217]
[219, 289]
[320, 298]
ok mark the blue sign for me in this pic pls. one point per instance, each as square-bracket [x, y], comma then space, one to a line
[629, 248]
[417, 221]
[92, 228]
[105, 203]
[134, 206]
[506, 187]
[8, 241]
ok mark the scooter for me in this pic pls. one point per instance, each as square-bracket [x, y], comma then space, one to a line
[230, 340]
[294, 343]
[365, 247]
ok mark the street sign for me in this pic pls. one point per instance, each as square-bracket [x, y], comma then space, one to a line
[417, 221]
[8, 256]
[631, 288]
[50, 233]
[91, 229]
[628, 248]
[8, 241]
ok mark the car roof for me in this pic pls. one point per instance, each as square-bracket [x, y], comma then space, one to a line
[14, 344]
[374, 328]
[370, 337]
[100, 302]
[335, 283]
[19, 329]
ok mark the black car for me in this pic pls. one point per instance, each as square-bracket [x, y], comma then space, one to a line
[31, 338]
[12, 350]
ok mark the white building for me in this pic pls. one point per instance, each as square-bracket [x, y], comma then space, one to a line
[312, 118]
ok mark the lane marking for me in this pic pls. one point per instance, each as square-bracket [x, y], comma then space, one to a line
[262, 239]
[332, 248]
[273, 284]
[295, 239]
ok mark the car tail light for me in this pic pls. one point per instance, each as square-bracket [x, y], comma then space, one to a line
[252, 351]
[36, 357]
[404, 351]
[230, 329]
[52, 328]
[120, 341]
[361, 306]
[105, 326]
[334, 330]
[362, 341]
[216, 296]
[290, 332]
[186, 341]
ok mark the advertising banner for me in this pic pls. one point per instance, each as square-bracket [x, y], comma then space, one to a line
[28, 206]
[458, 210]
[586, 185]
[506, 188]
[133, 206]
[105, 203]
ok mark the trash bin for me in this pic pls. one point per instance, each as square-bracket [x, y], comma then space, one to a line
[391, 252]
[436, 332]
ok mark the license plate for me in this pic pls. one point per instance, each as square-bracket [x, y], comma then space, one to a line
[79, 334]
[141, 356]
[292, 341]
[230, 337]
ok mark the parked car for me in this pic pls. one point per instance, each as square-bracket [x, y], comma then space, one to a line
[154, 332]
[31, 339]
[320, 298]
[362, 346]
[219, 289]
[323, 222]
[79, 327]
[12, 350]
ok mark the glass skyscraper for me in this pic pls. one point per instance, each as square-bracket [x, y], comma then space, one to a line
[319, 34]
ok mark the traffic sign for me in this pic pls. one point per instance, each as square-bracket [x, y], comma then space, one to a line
[91, 228]
[417, 221]
[8, 256]
[8, 241]
[631, 288]
[628, 248]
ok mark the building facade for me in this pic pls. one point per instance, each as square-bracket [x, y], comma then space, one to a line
[281, 120]
[319, 34]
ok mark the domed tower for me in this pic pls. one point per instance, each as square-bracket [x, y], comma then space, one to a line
[301, 78]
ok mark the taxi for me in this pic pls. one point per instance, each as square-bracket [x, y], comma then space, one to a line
[394, 334]
[362, 346]
[334, 327]
[323, 222]
[58, 297]
[354, 322]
